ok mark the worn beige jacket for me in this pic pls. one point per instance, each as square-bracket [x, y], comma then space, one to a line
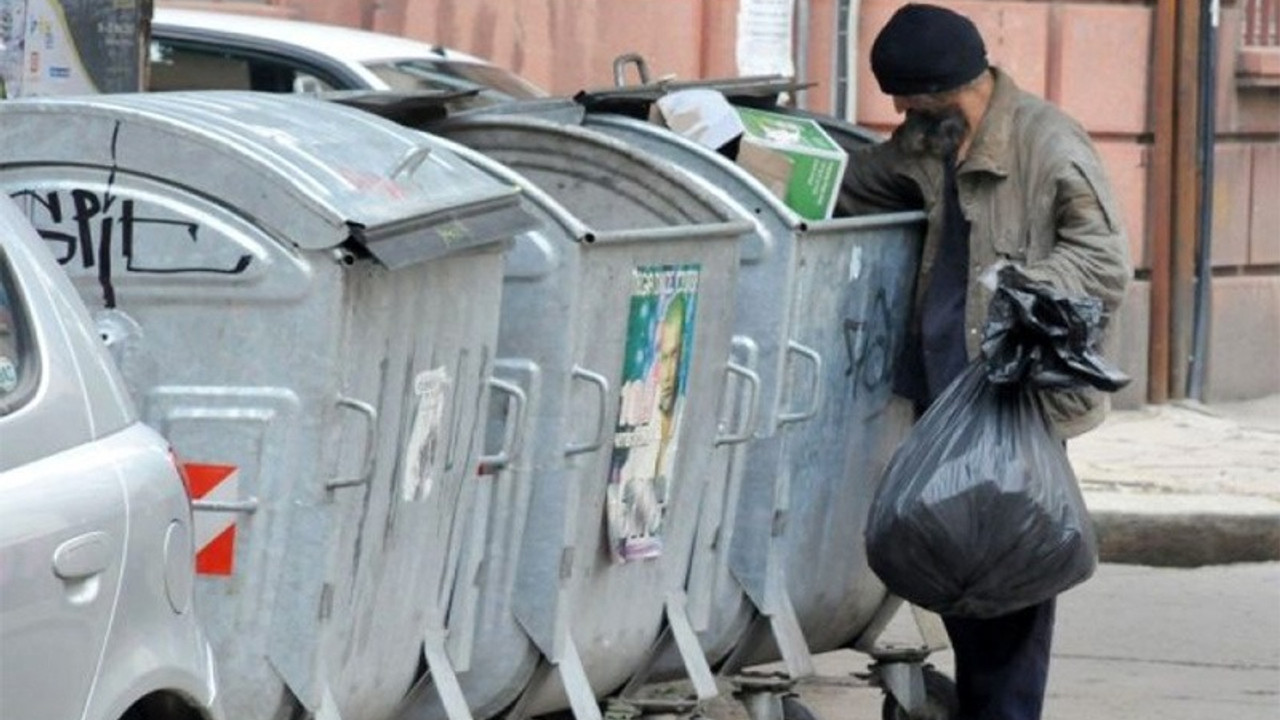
[1035, 194]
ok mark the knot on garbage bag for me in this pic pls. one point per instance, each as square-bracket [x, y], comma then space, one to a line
[1038, 336]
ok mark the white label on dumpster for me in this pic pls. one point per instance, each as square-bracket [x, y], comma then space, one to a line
[425, 451]
[855, 263]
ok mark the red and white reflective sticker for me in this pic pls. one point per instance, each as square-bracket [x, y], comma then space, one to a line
[215, 532]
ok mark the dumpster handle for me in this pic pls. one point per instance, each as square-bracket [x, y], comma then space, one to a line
[248, 507]
[490, 464]
[370, 441]
[753, 403]
[409, 162]
[815, 392]
[602, 383]
[620, 68]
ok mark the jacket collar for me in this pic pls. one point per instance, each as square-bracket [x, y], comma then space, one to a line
[990, 149]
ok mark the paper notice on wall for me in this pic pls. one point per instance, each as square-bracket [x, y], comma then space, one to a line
[70, 47]
[13, 23]
[764, 37]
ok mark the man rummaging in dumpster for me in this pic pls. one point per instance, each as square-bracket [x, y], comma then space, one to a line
[1004, 177]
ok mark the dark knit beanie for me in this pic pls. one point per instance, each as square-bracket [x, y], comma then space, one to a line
[926, 49]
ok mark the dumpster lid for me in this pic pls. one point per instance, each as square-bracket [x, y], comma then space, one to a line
[421, 110]
[313, 172]
[410, 108]
[634, 100]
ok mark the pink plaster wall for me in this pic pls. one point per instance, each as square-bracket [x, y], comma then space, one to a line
[566, 45]
[1099, 65]
[1264, 218]
[1232, 204]
[240, 8]
[1244, 338]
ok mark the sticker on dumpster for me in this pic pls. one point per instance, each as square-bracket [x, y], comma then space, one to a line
[215, 532]
[654, 383]
[425, 451]
[8, 375]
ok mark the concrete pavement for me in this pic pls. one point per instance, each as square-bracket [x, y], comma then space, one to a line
[1184, 484]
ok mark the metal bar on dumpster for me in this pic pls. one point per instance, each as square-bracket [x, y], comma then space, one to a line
[706, 231]
[490, 464]
[748, 426]
[370, 442]
[601, 383]
[815, 388]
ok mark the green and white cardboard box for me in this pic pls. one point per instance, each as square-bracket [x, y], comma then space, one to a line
[795, 157]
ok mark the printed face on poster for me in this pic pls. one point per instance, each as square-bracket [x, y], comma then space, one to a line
[660, 330]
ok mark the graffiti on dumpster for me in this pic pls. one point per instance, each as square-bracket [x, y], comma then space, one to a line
[655, 371]
[91, 227]
[868, 346]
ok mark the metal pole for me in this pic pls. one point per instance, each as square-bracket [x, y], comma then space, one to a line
[1186, 200]
[1204, 256]
[802, 32]
[840, 60]
[1160, 197]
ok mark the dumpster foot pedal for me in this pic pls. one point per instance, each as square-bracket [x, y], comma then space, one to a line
[652, 708]
[443, 676]
[786, 627]
[762, 694]
[695, 661]
[582, 698]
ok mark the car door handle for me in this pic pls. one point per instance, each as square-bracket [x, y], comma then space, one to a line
[82, 556]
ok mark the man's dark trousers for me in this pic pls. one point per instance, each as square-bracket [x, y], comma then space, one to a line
[1002, 663]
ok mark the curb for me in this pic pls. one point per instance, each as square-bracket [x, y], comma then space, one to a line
[1184, 530]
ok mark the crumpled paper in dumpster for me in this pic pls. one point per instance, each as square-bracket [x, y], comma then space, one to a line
[979, 513]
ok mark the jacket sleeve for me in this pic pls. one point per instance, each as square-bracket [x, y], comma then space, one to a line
[877, 180]
[1090, 253]
[1089, 256]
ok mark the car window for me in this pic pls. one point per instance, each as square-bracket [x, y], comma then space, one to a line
[180, 66]
[17, 365]
[419, 74]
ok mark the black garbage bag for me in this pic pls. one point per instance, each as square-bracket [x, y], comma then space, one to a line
[1038, 336]
[979, 513]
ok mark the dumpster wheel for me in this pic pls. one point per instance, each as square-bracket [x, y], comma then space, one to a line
[940, 700]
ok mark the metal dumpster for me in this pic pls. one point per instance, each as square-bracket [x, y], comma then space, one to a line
[304, 299]
[616, 323]
[827, 305]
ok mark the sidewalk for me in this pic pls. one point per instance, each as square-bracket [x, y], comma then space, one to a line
[1185, 484]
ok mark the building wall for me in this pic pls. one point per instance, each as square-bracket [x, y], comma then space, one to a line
[1245, 304]
[1093, 58]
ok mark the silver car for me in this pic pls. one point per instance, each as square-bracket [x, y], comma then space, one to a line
[96, 563]
[199, 50]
